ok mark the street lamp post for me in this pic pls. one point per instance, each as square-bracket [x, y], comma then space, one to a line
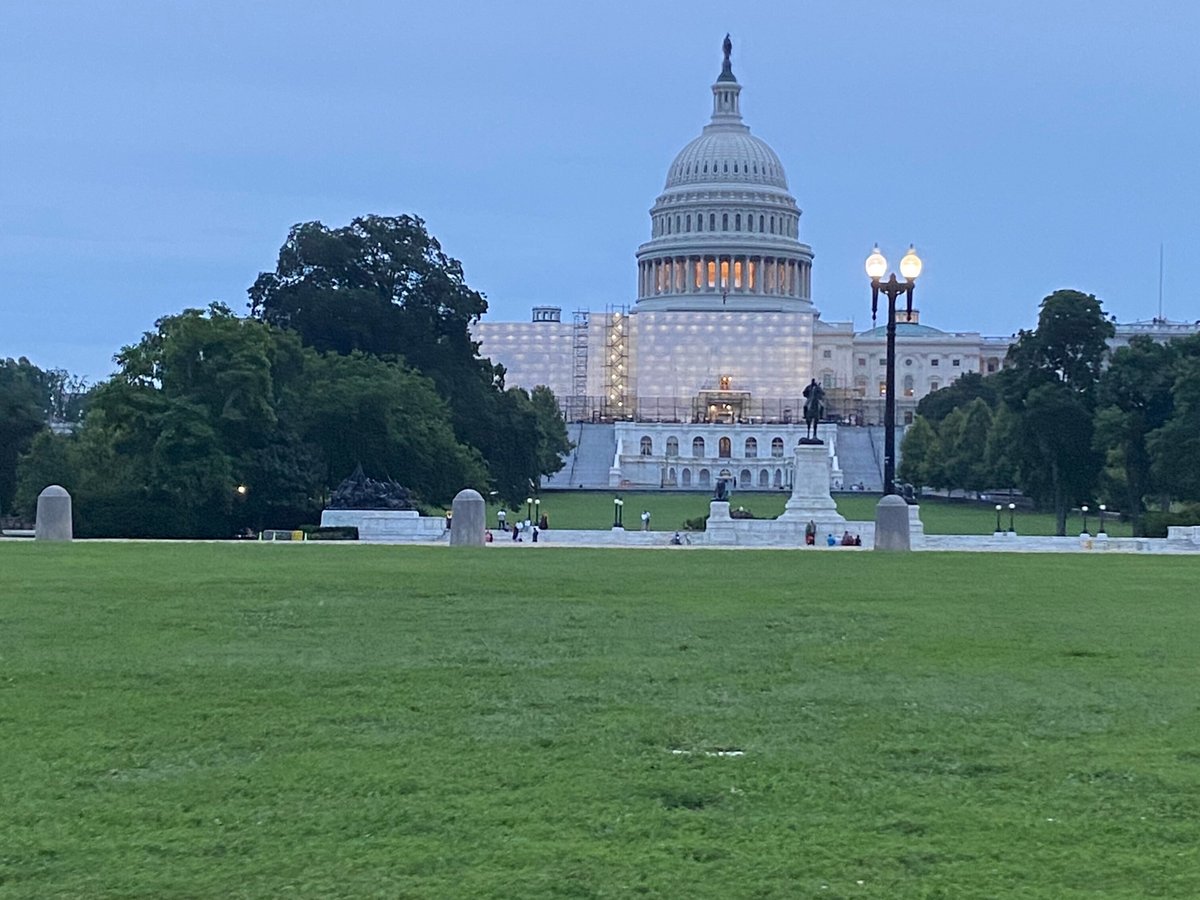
[1012, 508]
[618, 503]
[910, 268]
[537, 510]
[998, 508]
[529, 509]
[1100, 530]
[1084, 510]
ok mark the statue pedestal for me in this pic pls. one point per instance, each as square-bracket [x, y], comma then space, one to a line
[719, 528]
[811, 500]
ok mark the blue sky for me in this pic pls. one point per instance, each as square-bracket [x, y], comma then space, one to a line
[154, 154]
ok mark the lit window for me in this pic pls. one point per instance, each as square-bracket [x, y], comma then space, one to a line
[883, 389]
[908, 385]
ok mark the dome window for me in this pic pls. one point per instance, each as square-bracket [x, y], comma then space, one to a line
[712, 221]
[726, 167]
[689, 222]
[756, 168]
[761, 220]
[750, 222]
[706, 167]
[737, 222]
[677, 223]
[735, 168]
[725, 221]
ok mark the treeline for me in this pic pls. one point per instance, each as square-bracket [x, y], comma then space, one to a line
[357, 351]
[1067, 422]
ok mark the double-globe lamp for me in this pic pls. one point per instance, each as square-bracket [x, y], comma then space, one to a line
[910, 268]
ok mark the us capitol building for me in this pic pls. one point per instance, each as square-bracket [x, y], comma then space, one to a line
[723, 335]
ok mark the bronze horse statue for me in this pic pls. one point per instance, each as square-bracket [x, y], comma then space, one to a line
[814, 409]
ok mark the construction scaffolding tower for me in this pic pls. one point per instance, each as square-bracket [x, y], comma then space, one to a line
[577, 409]
[616, 364]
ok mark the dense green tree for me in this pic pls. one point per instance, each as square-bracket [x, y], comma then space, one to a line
[1050, 386]
[383, 286]
[1135, 398]
[966, 464]
[916, 452]
[969, 386]
[1175, 447]
[23, 413]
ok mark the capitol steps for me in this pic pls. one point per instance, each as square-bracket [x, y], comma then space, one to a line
[860, 452]
[587, 465]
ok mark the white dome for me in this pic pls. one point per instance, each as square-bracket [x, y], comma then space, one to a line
[726, 156]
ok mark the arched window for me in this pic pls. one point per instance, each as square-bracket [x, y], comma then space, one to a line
[645, 446]
[685, 478]
[698, 447]
[726, 167]
[744, 479]
[761, 219]
[777, 446]
[750, 222]
[712, 221]
[689, 222]
[908, 385]
[737, 222]
[735, 168]
[724, 448]
[700, 221]
[671, 477]
[764, 478]
[778, 481]
[668, 224]
[706, 167]
[704, 478]
[751, 448]
[672, 446]
[677, 224]
[772, 224]
[934, 385]
[724, 221]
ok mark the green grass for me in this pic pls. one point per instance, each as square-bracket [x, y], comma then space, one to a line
[352, 721]
[668, 510]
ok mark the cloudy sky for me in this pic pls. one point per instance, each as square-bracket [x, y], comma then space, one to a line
[154, 154]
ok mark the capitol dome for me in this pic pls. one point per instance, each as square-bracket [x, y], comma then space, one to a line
[725, 232]
[726, 156]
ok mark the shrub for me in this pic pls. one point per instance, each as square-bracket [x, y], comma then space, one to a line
[332, 533]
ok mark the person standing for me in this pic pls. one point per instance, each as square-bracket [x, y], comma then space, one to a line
[501, 517]
[645, 520]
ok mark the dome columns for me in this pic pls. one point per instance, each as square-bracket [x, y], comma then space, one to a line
[725, 273]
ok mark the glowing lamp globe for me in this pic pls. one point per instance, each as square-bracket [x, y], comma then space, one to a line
[876, 264]
[910, 266]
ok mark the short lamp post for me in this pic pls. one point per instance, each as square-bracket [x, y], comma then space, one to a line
[528, 508]
[537, 510]
[1084, 509]
[618, 505]
[910, 268]
[998, 508]
[1100, 530]
[1012, 508]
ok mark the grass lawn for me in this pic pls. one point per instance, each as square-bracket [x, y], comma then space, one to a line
[594, 509]
[245, 720]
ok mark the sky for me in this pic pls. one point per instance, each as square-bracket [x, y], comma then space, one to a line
[153, 155]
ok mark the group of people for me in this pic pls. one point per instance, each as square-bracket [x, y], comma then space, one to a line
[848, 539]
[517, 529]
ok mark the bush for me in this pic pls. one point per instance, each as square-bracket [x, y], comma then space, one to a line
[741, 513]
[1155, 524]
[332, 533]
[696, 524]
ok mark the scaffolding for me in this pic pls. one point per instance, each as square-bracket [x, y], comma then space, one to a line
[616, 364]
[577, 409]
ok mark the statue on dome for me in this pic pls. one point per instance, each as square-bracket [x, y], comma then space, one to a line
[814, 412]
[727, 46]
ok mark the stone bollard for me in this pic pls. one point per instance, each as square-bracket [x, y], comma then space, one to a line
[892, 524]
[54, 515]
[470, 519]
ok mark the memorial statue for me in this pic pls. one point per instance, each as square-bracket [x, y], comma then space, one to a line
[360, 492]
[814, 411]
[722, 490]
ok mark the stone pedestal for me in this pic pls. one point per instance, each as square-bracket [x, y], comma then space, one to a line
[719, 528]
[54, 522]
[811, 500]
[892, 524]
[469, 520]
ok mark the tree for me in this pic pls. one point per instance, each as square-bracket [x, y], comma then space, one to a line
[936, 405]
[1135, 398]
[1175, 447]
[966, 465]
[382, 286]
[916, 452]
[1050, 386]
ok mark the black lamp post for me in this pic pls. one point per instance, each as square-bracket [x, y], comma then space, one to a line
[998, 508]
[618, 503]
[1012, 508]
[1084, 509]
[529, 509]
[910, 268]
[537, 510]
[1100, 530]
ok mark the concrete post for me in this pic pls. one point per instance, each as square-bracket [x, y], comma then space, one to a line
[54, 522]
[469, 520]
